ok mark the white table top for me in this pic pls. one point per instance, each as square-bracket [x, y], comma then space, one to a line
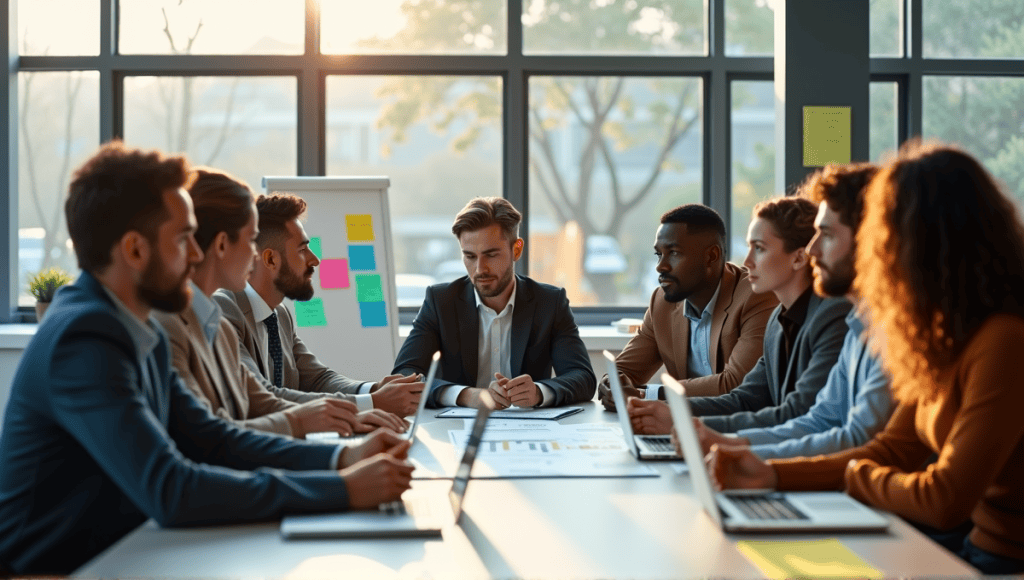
[531, 528]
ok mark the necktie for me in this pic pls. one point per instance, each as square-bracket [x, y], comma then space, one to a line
[275, 348]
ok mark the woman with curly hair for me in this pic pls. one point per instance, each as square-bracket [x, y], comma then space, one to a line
[940, 264]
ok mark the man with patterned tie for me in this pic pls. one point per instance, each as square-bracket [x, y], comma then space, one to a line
[266, 328]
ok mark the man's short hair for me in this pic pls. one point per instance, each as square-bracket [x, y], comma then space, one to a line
[119, 189]
[275, 211]
[841, 187]
[222, 203]
[482, 212]
[698, 218]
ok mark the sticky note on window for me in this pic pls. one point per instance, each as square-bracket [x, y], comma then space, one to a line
[314, 246]
[360, 227]
[361, 258]
[334, 273]
[826, 136]
[310, 313]
[368, 288]
[806, 559]
[373, 314]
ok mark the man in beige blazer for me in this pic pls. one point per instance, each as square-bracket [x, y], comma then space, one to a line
[704, 324]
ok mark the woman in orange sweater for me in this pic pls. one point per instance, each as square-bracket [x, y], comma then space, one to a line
[940, 263]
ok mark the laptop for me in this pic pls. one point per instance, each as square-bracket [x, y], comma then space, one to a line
[416, 515]
[641, 446]
[762, 510]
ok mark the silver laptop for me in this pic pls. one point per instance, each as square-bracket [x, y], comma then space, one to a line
[761, 510]
[416, 418]
[641, 446]
[418, 514]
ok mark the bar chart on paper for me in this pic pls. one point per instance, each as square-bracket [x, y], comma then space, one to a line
[520, 449]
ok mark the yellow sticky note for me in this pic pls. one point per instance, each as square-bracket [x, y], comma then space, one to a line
[806, 559]
[360, 227]
[826, 136]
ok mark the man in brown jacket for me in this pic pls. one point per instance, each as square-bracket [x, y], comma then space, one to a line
[704, 324]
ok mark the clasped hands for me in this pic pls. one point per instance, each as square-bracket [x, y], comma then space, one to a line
[520, 391]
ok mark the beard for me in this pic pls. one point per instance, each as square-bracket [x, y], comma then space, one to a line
[679, 294]
[159, 293]
[834, 280]
[293, 286]
[499, 285]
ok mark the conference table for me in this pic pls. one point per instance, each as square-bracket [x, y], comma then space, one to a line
[609, 527]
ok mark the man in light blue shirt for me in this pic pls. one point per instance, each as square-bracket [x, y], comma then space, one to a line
[856, 401]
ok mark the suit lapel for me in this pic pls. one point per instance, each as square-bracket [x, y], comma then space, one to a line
[721, 314]
[250, 324]
[522, 314]
[207, 359]
[680, 338]
[469, 331]
[791, 364]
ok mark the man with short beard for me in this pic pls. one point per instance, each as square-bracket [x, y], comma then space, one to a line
[100, 432]
[266, 328]
[497, 331]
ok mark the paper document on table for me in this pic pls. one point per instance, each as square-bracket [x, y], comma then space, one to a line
[511, 413]
[576, 450]
[806, 559]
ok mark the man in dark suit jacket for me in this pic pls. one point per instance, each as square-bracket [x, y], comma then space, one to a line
[496, 330]
[101, 434]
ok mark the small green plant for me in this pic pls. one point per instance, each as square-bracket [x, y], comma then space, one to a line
[44, 284]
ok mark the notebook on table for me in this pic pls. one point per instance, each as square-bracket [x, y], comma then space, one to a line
[761, 510]
[641, 446]
[418, 514]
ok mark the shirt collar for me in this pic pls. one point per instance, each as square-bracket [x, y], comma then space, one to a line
[260, 310]
[207, 312]
[143, 334]
[691, 311]
[511, 301]
[797, 312]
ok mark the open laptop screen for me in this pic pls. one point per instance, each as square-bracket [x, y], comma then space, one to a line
[461, 479]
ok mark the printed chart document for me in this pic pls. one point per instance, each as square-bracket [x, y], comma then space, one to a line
[550, 413]
[513, 449]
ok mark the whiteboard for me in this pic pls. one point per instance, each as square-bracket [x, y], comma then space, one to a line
[354, 328]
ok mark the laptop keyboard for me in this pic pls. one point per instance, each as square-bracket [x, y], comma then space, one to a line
[767, 507]
[658, 443]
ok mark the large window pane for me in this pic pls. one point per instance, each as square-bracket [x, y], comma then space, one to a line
[58, 27]
[608, 27]
[986, 117]
[58, 129]
[972, 28]
[883, 119]
[608, 156]
[221, 27]
[886, 30]
[749, 28]
[753, 157]
[413, 26]
[439, 141]
[239, 124]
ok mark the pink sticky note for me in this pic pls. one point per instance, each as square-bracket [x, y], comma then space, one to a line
[334, 273]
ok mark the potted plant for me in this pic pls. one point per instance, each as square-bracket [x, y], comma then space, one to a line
[44, 285]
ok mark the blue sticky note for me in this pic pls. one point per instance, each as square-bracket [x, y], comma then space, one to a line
[361, 258]
[373, 314]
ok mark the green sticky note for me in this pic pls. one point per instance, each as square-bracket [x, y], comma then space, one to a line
[314, 246]
[310, 313]
[806, 559]
[368, 288]
[826, 136]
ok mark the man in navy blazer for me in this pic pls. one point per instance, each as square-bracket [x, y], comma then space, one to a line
[497, 331]
[101, 434]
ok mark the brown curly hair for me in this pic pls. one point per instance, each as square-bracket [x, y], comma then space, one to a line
[941, 249]
[840, 186]
[792, 218]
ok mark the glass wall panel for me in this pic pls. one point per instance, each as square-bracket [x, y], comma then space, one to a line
[243, 125]
[749, 28]
[439, 141]
[972, 29]
[883, 119]
[983, 115]
[58, 27]
[886, 27]
[413, 27]
[58, 129]
[608, 156]
[753, 157]
[668, 27]
[221, 27]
